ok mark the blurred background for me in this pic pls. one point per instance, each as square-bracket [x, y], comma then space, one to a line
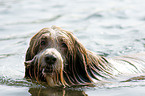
[107, 27]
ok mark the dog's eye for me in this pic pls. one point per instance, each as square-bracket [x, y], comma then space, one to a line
[43, 43]
[64, 45]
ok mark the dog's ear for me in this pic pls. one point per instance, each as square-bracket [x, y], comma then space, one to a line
[28, 55]
[26, 63]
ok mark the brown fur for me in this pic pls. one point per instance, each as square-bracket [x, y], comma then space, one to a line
[76, 65]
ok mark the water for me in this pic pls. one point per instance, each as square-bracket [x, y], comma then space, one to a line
[109, 28]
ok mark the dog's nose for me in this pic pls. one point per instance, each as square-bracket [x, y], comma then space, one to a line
[50, 59]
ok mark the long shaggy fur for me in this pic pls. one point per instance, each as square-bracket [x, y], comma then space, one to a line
[75, 64]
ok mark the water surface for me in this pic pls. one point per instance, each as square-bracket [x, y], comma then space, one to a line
[109, 28]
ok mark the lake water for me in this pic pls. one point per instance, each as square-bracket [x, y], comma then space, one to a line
[107, 27]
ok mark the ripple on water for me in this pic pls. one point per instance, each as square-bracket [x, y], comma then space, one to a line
[109, 28]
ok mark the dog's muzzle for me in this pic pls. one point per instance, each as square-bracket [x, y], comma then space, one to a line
[51, 61]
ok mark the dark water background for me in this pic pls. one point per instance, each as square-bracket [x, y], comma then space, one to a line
[108, 27]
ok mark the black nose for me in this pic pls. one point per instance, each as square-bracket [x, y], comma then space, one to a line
[50, 59]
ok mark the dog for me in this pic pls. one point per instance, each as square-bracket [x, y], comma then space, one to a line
[55, 57]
